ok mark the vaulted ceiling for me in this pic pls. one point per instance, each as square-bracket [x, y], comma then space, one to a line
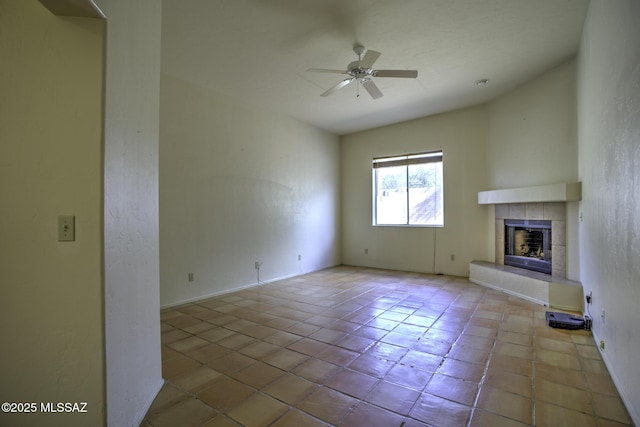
[259, 51]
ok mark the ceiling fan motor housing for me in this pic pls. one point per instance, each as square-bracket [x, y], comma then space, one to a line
[355, 70]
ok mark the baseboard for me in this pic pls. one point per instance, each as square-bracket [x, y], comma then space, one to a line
[633, 411]
[149, 402]
[237, 288]
[211, 295]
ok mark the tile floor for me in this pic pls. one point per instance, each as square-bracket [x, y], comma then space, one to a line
[353, 346]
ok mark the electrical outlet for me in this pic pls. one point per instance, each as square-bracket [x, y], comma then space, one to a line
[190, 277]
[366, 251]
[66, 228]
[257, 265]
[299, 257]
[452, 257]
[602, 345]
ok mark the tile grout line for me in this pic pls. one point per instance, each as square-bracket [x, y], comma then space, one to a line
[224, 412]
[486, 368]
[318, 386]
[534, 350]
[380, 380]
[397, 295]
[413, 406]
[584, 378]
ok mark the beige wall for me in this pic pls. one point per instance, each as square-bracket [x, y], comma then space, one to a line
[51, 311]
[462, 137]
[240, 185]
[532, 132]
[533, 141]
[524, 138]
[609, 147]
[131, 242]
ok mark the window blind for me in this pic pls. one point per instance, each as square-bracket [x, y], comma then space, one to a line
[407, 159]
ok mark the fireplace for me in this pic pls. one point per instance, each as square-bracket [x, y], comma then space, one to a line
[527, 244]
[545, 213]
[558, 222]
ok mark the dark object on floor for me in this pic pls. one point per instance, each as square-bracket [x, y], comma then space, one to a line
[564, 320]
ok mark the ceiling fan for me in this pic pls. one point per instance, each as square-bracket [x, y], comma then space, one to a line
[361, 71]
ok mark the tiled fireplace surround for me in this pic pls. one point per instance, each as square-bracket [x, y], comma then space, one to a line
[553, 211]
[546, 202]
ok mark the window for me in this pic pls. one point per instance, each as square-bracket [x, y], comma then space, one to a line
[407, 190]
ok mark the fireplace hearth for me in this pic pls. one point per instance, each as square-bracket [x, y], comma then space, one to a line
[528, 244]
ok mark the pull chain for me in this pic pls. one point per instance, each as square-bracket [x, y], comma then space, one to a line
[357, 85]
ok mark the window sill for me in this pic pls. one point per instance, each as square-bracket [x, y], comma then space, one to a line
[410, 225]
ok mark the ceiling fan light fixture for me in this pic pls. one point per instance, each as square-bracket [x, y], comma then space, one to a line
[482, 82]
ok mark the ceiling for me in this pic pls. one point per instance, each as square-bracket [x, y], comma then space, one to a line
[259, 51]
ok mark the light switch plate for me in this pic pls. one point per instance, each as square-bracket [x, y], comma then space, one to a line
[66, 228]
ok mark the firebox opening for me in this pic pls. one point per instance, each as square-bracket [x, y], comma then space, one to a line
[528, 244]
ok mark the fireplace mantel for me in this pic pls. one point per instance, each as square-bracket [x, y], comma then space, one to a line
[566, 192]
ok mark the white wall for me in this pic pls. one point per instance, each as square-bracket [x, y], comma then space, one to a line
[51, 313]
[533, 141]
[239, 185]
[462, 137]
[609, 147]
[131, 236]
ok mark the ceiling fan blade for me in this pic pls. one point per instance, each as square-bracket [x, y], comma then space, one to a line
[411, 74]
[338, 86]
[326, 70]
[369, 58]
[371, 87]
